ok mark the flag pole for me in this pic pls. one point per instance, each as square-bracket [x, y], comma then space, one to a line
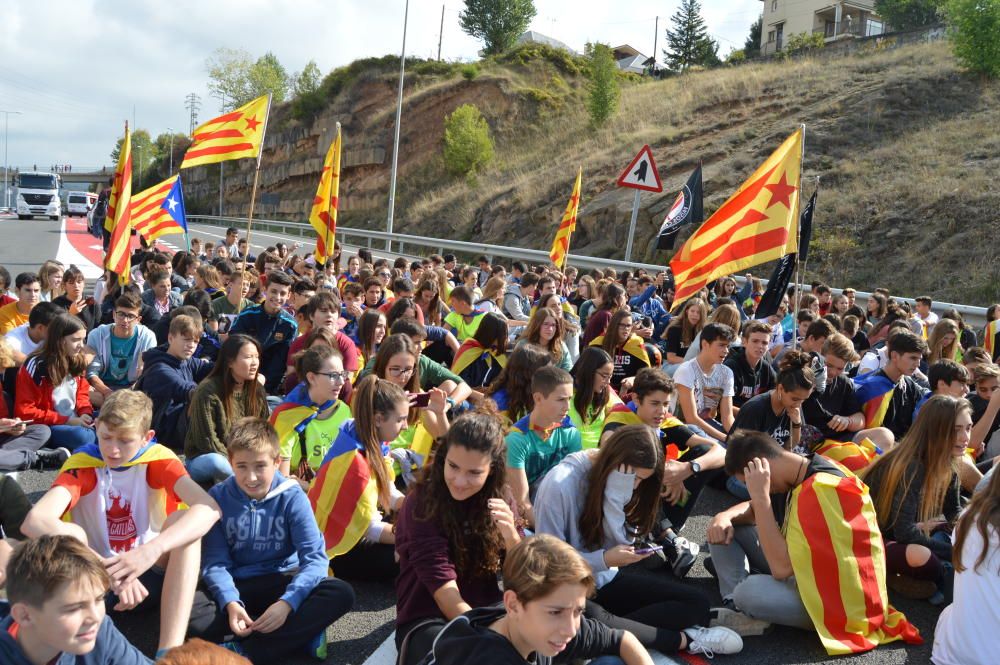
[798, 210]
[253, 198]
[328, 239]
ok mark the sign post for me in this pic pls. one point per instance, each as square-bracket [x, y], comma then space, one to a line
[640, 175]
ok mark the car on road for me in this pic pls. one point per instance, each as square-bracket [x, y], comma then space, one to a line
[80, 203]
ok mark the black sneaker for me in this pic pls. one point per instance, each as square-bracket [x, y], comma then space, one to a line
[50, 458]
[710, 567]
[681, 554]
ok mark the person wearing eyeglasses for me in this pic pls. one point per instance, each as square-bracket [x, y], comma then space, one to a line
[117, 349]
[309, 419]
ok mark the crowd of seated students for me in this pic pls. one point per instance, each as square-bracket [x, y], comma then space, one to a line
[240, 437]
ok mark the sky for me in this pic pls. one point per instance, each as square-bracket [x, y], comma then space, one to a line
[75, 70]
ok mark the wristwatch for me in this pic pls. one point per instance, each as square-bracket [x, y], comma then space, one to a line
[695, 468]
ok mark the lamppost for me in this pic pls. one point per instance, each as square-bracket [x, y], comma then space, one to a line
[171, 150]
[395, 143]
[6, 168]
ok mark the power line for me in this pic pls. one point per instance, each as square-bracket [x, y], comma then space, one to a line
[193, 104]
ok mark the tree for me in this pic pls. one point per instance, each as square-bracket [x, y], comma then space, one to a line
[268, 75]
[751, 47]
[603, 86]
[688, 44]
[498, 23]
[906, 14]
[467, 143]
[975, 26]
[307, 81]
[236, 78]
[144, 153]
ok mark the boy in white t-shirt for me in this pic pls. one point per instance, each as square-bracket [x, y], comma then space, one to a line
[705, 387]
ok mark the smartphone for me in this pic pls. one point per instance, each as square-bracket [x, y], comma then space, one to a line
[649, 550]
[647, 322]
[420, 400]
[89, 302]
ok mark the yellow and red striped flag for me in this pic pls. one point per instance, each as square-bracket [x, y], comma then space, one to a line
[159, 210]
[989, 337]
[232, 135]
[118, 256]
[560, 246]
[759, 223]
[323, 215]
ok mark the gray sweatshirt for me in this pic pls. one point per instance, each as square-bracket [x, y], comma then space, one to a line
[559, 504]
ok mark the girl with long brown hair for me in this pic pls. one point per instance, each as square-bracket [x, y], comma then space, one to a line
[624, 346]
[943, 343]
[428, 298]
[452, 533]
[914, 483]
[545, 329]
[511, 390]
[596, 500]
[680, 333]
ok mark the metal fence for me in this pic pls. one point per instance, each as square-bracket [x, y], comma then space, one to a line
[404, 245]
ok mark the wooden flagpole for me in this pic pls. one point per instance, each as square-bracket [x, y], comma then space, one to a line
[253, 199]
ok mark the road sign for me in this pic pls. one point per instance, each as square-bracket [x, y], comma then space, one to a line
[642, 173]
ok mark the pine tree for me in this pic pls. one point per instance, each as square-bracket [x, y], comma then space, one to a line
[688, 43]
[752, 45]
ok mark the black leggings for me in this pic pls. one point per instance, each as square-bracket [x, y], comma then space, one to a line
[369, 562]
[678, 514]
[651, 606]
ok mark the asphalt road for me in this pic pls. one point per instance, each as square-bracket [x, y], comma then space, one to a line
[354, 638]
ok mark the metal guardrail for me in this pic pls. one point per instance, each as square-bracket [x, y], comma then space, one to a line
[396, 243]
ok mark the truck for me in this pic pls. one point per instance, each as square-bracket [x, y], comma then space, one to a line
[37, 193]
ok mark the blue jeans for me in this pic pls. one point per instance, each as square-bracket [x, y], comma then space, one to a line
[209, 468]
[737, 488]
[71, 437]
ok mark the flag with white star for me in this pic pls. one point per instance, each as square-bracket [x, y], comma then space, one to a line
[159, 210]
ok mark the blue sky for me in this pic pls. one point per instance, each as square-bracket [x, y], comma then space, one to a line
[76, 69]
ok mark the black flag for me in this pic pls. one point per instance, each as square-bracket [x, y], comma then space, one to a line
[776, 287]
[687, 209]
[806, 228]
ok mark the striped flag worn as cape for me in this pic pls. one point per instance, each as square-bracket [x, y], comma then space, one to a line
[874, 391]
[854, 456]
[838, 558]
[470, 352]
[292, 416]
[624, 414]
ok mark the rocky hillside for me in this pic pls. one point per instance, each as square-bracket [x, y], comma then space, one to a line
[903, 143]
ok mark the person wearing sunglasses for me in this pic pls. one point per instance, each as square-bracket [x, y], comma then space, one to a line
[117, 349]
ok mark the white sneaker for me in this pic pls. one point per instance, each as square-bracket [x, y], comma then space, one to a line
[711, 641]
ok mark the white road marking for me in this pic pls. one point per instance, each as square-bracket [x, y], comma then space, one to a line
[385, 654]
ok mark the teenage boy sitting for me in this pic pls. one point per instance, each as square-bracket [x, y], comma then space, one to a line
[752, 374]
[463, 321]
[985, 400]
[122, 497]
[889, 396]
[29, 294]
[170, 376]
[323, 310]
[25, 339]
[56, 590]
[705, 385]
[351, 309]
[264, 563]
[539, 440]
[805, 551]
[236, 295]
[118, 349]
[272, 327]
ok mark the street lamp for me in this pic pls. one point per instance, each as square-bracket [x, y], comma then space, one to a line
[395, 143]
[171, 150]
[6, 168]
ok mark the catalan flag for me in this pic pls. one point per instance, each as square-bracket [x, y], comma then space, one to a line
[119, 220]
[471, 352]
[560, 246]
[989, 338]
[759, 223]
[874, 391]
[624, 414]
[344, 495]
[159, 210]
[838, 558]
[232, 135]
[323, 215]
[290, 419]
[853, 456]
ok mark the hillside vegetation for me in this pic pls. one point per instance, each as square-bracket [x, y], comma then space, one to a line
[903, 142]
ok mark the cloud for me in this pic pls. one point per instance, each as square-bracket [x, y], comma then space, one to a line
[76, 69]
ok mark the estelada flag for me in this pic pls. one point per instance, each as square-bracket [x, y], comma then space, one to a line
[233, 135]
[759, 223]
[874, 392]
[838, 558]
[119, 219]
[323, 215]
[688, 208]
[159, 210]
[560, 245]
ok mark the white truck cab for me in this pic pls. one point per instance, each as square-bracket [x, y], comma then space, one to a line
[38, 194]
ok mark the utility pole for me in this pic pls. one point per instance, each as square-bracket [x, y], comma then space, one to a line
[6, 141]
[171, 150]
[192, 103]
[656, 34]
[395, 143]
[441, 33]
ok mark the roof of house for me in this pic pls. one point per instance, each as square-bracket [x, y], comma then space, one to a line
[534, 37]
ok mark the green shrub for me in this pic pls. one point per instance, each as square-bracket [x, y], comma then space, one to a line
[467, 143]
[603, 88]
[975, 27]
[470, 71]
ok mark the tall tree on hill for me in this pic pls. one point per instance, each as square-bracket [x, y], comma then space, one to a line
[688, 43]
[603, 86]
[751, 47]
[498, 23]
[906, 14]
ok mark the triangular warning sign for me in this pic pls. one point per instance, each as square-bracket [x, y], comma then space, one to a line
[642, 173]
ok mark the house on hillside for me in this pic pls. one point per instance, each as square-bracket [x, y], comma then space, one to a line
[629, 59]
[834, 19]
[532, 37]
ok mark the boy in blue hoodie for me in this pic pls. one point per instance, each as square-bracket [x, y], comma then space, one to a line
[56, 587]
[170, 376]
[264, 564]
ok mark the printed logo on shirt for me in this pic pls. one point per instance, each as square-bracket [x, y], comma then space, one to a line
[279, 336]
[122, 531]
[261, 533]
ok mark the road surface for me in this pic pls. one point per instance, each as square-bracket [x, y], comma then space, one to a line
[364, 635]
